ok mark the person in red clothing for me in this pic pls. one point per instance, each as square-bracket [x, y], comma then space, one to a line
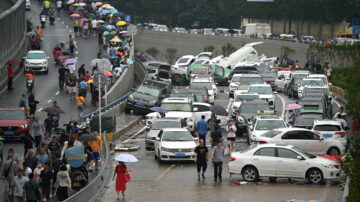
[33, 42]
[121, 172]
[10, 77]
[87, 76]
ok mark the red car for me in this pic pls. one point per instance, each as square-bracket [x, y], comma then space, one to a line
[13, 123]
[276, 69]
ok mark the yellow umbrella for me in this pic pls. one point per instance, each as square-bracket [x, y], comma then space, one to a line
[90, 81]
[116, 39]
[111, 15]
[105, 5]
[121, 23]
[75, 4]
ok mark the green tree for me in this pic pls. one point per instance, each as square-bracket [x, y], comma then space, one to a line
[171, 55]
[153, 51]
[227, 49]
[286, 52]
[209, 48]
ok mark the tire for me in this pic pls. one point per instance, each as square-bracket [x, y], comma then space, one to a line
[176, 79]
[314, 175]
[272, 179]
[333, 151]
[127, 110]
[250, 174]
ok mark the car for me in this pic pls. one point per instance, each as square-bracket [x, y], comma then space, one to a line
[169, 73]
[292, 88]
[194, 31]
[244, 80]
[240, 98]
[278, 69]
[305, 120]
[208, 85]
[306, 82]
[264, 123]
[269, 78]
[299, 74]
[330, 129]
[244, 114]
[14, 123]
[208, 31]
[179, 30]
[304, 139]
[200, 91]
[282, 81]
[37, 60]
[316, 101]
[152, 74]
[320, 76]
[191, 96]
[157, 126]
[143, 57]
[149, 94]
[280, 160]
[218, 73]
[204, 109]
[202, 61]
[207, 55]
[313, 109]
[161, 28]
[27, 5]
[265, 93]
[316, 89]
[243, 70]
[153, 65]
[185, 61]
[200, 70]
[175, 144]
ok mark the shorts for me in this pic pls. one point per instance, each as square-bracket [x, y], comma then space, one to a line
[231, 139]
[76, 29]
[95, 156]
[72, 89]
[9, 181]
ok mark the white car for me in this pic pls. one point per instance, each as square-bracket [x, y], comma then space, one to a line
[264, 123]
[204, 109]
[161, 28]
[37, 60]
[185, 61]
[330, 129]
[265, 92]
[203, 61]
[281, 161]
[241, 83]
[179, 30]
[175, 144]
[320, 76]
[282, 81]
[27, 5]
[309, 83]
[206, 82]
[207, 55]
[240, 98]
[217, 59]
[304, 139]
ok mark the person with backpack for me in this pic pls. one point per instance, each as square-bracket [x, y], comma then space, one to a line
[216, 136]
[8, 174]
[31, 190]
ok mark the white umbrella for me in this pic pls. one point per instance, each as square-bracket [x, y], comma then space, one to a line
[126, 158]
[94, 62]
[104, 65]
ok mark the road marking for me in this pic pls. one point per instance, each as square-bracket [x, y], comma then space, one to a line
[63, 22]
[226, 92]
[283, 108]
[57, 93]
[176, 90]
[165, 173]
[136, 134]
[40, 109]
[70, 31]
[229, 104]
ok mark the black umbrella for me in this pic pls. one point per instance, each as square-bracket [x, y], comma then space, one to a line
[53, 110]
[87, 138]
[218, 110]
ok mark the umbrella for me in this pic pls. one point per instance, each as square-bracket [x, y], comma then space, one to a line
[30, 34]
[121, 23]
[113, 10]
[12, 61]
[94, 62]
[100, 21]
[129, 61]
[159, 109]
[109, 8]
[110, 35]
[82, 4]
[218, 110]
[77, 15]
[104, 12]
[98, 3]
[139, 24]
[71, 61]
[126, 158]
[109, 27]
[105, 5]
[75, 4]
[292, 107]
[84, 19]
[70, 2]
[79, 9]
[113, 57]
[90, 81]
[87, 138]
[108, 74]
[116, 39]
[118, 14]
[53, 110]
[104, 64]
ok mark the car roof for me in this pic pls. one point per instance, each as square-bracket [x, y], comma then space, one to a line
[201, 79]
[326, 122]
[202, 103]
[317, 76]
[260, 85]
[312, 79]
[175, 129]
[168, 119]
[176, 100]
[290, 129]
[36, 51]
[278, 145]
[269, 117]
[254, 102]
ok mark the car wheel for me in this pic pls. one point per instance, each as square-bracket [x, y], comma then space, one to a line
[250, 174]
[333, 151]
[127, 110]
[176, 79]
[314, 175]
[272, 179]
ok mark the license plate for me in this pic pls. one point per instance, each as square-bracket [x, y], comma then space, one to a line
[327, 136]
[76, 184]
[140, 103]
[255, 142]
[9, 132]
[180, 155]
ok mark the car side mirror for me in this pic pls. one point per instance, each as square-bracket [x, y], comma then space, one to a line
[195, 109]
[321, 138]
[157, 139]
[299, 157]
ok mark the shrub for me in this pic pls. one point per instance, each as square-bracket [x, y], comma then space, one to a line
[209, 48]
[227, 49]
[171, 55]
[153, 51]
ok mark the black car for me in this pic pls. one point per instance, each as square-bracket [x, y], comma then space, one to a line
[147, 95]
[143, 57]
[292, 89]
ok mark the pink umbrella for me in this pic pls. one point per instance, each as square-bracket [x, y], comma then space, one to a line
[293, 107]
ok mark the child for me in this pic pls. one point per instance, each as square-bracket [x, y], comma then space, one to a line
[37, 171]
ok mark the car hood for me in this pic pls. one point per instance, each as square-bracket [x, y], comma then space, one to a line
[35, 60]
[12, 122]
[266, 96]
[178, 144]
[153, 133]
[322, 160]
[178, 114]
[257, 133]
[143, 97]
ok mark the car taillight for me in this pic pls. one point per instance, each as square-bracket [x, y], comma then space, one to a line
[342, 134]
[232, 159]
[263, 142]
[226, 114]
[317, 133]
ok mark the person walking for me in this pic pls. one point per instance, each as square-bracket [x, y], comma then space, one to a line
[81, 70]
[8, 173]
[217, 157]
[49, 124]
[318, 67]
[72, 86]
[31, 189]
[80, 101]
[58, 7]
[37, 129]
[43, 156]
[32, 103]
[10, 77]
[121, 173]
[55, 148]
[231, 136]
[83, 88]
[202, 128]
[201, 158]
[216, 136]
[31, 159]
[28, 142]
[81, 25]
[18, 188]
[56, 116]
[94, 27]
[64, 183]
[86, 29]
[96, 147]
[62, 70]
[328, 70]
[22, 102]
[76, 26]
[46, 182]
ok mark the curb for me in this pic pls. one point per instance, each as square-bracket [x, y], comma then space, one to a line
[346, 190]
[121, 132]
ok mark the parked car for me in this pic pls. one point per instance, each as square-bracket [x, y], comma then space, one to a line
[190, 96]
[161, 28]
[200, 91]
[153, 65]
[279, 160]
[331, 129]
[282, 81]
[265, 93]
[208, 85]
[269, 78]
[306, 82]
[199, 70]
[264, 123]
[207, 55]
[292, 88]
[175, 144]
[185, 61]
[37, 60]
[240, 98]
[304, 139]
[13, 123]
[218, 73]
[204, 109]
[245, 80]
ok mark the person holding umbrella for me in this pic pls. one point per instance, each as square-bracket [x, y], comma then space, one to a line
[10, 77]
[121, 172]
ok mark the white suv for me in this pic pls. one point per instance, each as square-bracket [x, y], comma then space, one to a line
[37, 60]
[209, 84]
[310, 83]
[265, 92]
[330, 129]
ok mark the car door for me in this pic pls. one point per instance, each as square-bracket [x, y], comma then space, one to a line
[280, 82]
[202, 110]
[293, 138]
[288, 165]
[314, 145]
[265, 161]
[157, 141]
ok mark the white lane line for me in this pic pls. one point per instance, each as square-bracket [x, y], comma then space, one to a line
[229, 104]
[165, 173]
[283, 108]
[136, 134]
[63, 22]
[49, 101]
[40, 109]
[70, 31]
[226, 92]
[57, 93]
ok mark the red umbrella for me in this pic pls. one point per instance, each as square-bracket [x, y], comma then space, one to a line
[12, 61]
[75, 15]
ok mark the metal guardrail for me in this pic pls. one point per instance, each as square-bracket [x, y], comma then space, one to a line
[12, 31]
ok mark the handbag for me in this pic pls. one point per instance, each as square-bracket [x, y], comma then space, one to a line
[127, 177]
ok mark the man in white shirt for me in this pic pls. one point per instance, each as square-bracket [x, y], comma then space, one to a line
[18, 189]
[58, 7]
[71, 68]
[93, 27]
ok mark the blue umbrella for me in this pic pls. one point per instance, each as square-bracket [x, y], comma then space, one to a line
[159, 109]
[113, 10]
[118, 14]
[71, 61]
[130, 61]
[109, 27]
[126, 158]
[84, 19]
[104, 12]
[113, 57]
[79, 9]
[139, 25]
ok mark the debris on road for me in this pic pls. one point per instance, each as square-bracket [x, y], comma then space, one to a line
[122, 147]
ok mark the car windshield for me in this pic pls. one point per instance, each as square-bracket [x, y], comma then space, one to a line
[300, 76]
[35, 56]
[250, 80]
[269, 124]
[242, 87]
[177, 107]
[240, 98]
[162, 26]
[177, 136]
[148, 90]
[327, 128]
[260, 89]
[312, 83]
[183, 60]
[219, 71]
[253, 108]
[198, 61]
[158, 125]
[12, 115]
[271, 133]
[268, 74]
[303, 152]
[200, 71]
[207, 85]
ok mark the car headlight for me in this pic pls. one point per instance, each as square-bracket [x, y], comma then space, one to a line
[152, 103]
[27, 63]
[24, 126]
[44, 63]
[164, 149]
[131, 98]
[331, 166]
[241, 119]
